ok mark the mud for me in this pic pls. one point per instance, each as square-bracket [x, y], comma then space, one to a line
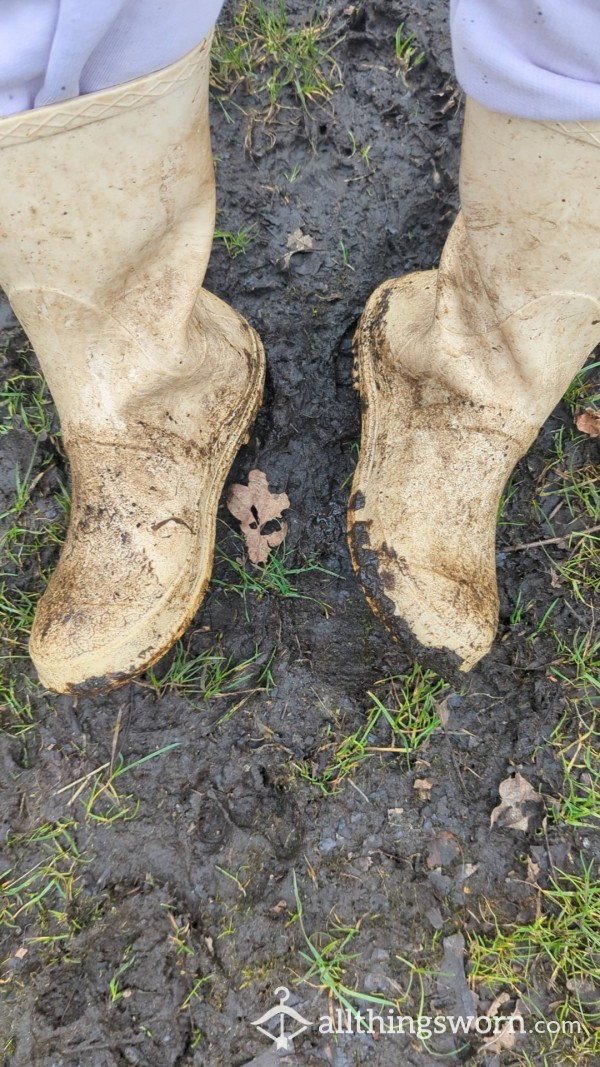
[216, 829]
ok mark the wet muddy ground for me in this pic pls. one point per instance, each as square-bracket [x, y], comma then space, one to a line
[172, 913]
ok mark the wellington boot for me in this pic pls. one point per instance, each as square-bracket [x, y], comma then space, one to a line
[458, 369]
[106, 228]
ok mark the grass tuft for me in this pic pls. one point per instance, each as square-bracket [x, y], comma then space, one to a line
[559, 950]
[403, 713]
[281, 64]
[277, 576]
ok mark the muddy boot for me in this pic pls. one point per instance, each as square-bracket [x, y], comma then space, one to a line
[107, 221]
[458, 369]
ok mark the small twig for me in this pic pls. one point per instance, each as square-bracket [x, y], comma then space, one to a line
[84, 778]
[115, 741]
[358, 790]
[552, 540]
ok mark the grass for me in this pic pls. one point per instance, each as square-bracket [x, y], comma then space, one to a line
[403, 713]
[29, 530]
[508, 496]
[576, 738]
[97, 790]
[363, 151]
[567, 501]
[182, 930]
[577, 666]
[116, 992]
[579, 487]
[41, 893]
[345, 256]
[558, 951]
[571, 478]
[236, 242]
[32, 525]
[25, 401]
[278, 576]
[18, 717]
[25, 404]
[280, 64]
[584, 390]
[194, 994]
[579, 756]
[235, 878]
[581, 571]
[212, 674]
[568, 498]
[328, 957]
[407, 54]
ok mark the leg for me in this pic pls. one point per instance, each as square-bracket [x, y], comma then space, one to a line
[107, 225]
[460, 367]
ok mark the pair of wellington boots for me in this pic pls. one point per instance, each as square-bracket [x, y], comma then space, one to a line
[106, 223]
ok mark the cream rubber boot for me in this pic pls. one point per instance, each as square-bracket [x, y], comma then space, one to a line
[106, 226]
[458, 369]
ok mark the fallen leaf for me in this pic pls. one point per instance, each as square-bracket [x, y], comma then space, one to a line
[555, 581]
[256, 506]
[501, 999]
[467, 870]
[21, 953]
[506, 1037]
[533, 869]
[519, 802]
[444, 849]
[279, 908]
[444, 713]
[395, 814]
[589, 422]
[297, 242]
[423, 784]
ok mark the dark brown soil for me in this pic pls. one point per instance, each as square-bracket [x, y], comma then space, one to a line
[230, 797]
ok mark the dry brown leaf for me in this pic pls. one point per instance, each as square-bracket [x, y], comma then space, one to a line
[255, 506]
[533, 869]
[444, 713]
[395, 814]
[297, 242]
[467, 870]
[506, 1038]
[589, 422]
[519, 802]
[444, 849]
[422, 784]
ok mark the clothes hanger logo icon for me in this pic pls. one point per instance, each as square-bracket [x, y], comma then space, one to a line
[282, 1040]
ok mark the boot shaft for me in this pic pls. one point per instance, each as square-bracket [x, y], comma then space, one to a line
[95, 190]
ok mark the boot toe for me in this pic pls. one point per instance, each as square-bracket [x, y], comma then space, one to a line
[428, 607]
[92, 631]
